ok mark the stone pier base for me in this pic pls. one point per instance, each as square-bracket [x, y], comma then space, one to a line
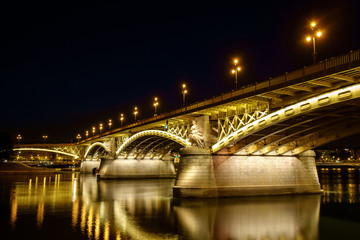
[204, 175]
[136, 168]
[89, 166]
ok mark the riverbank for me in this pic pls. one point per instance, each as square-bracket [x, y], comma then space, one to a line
[21, 168]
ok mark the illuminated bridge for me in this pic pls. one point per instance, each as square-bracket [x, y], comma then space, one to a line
[257, 140]
[50, 150]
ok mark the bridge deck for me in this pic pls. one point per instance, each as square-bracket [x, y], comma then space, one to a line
[273, 94]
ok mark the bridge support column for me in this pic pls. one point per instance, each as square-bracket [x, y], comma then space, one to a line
[89, 166]
[136, 168]
[202, 174]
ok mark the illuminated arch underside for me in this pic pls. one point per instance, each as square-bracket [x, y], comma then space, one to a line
[93, 146]
[46, 150]
[298, 127]
[151, 143]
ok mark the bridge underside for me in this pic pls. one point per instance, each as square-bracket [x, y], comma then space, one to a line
[299, 134]
[96, 153]
[272, 160]
[147, 156]
[149, 147]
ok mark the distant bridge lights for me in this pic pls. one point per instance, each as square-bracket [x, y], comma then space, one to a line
[110, 123]
[184, 92]
[315, 32]
[19, 137]
[156, 104]
[121, 119]
[235, 72]
[135, 112]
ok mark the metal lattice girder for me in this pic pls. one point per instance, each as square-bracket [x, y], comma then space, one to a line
[298, 109]
[181, 130]
[229, 125]
[74, 149]
[120, 140]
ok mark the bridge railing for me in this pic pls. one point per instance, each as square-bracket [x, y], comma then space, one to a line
[326, 66]
[332, 64]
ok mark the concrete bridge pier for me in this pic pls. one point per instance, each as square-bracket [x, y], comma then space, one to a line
[136, 168]
[205, 175]
[89, 166]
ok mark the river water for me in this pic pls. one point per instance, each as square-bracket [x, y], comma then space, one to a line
[73, 206]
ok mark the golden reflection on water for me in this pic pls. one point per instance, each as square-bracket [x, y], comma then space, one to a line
[13, 210]
[145, 209]
[340, 187]
[125, 203]
[35, 196]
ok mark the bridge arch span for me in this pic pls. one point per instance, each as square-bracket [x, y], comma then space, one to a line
[298, 127]
[46, 150]
[93, 148]
[150, 143]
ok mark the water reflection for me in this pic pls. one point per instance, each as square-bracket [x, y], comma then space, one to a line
[145, 209]
[340, 187]
[38, 192]
[280, 217]
[135, 209]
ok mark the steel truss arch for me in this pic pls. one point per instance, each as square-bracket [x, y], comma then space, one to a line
[100, 144]
[163, 134]
[294, 110]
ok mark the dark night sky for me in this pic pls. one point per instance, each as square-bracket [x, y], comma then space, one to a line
[68, 66]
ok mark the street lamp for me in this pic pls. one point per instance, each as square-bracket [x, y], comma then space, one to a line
[110, 123]
[184, 92]
[93, 130]
[86, 133]
[121, 119]
[314, 34]
[45, 137]
[18, 138]
[135, 112]
[235, 72]
[156, 104]
[78, 137]
[100, 127]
